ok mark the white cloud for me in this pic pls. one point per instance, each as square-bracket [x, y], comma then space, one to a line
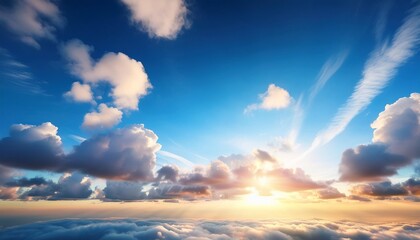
[106, 117]
[379, 69]
[80, 93]
[274, 98]
[159, 18]
[32, 20]
[127, 76]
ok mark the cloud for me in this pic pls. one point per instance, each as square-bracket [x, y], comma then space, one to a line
[122, 154]
[18, 74]
[127, 77]
[264, 156]
[380, 189]
[159, 18]
[169, 173]
[328, 70]
[379, 69]
[124, 191]
[358, 198]
[398, 126]
[69, 186]
[106, 117]
[396, 143]
[80, 93]
[32, 20]
[166, 229]
[370, 162]
[329, 193]
[32, 147]
[274, 98]
[292, 180]
[25, 182]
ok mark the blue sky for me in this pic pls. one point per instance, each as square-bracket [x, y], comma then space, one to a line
[223, 58]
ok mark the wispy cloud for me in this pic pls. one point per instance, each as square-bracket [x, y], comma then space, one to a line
[329, 68]
[18, 74]
[379, 69]
[176, 157]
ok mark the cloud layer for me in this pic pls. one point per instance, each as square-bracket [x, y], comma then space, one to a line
[159, 18]
[154, 229]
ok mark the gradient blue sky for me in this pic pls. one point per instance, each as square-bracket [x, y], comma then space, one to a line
[203, 80]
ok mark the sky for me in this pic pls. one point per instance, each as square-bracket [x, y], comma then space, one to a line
[193, 105]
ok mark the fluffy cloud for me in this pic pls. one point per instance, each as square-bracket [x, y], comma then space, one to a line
[370, 162]
[106, 117]
[32, 20]
[32, 147]
[159, 18]
[398, 126]
[69, 186]
[380, 189]
[147, 229]
[396, 142]
[274, 98]
[123, 191]
[124, 154]
[126, 76]
[168, 173]
[80, 93]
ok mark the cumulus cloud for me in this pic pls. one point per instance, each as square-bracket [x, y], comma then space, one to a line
[380, 189]
[32, 20]
[127, 77]
[161, 229]
[159, 18]
[80, 93]
[396, 142]
[105, 117]
[32, 147]
[123, 191]
[379, 69]
[274, 98]
[370, 162]
[69, 186]
[122, 154]
[398, 126]
[169, 173]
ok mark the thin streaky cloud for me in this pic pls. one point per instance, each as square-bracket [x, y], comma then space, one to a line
[77, 138]
[176, 157]
[379, 69]
[328, 70]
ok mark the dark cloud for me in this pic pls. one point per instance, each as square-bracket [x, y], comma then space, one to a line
[264, 156]
[123, 191]
[396, 143]
[168, 173]
[412, 185]
[69, 186]
[131, 229]
[165, 191]
[381, 189]
[26, 182]
[32, 147]
[370, 162]
[122, 154]
[329, 193]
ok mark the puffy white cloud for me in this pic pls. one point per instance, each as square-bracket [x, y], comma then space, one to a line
[32, 147]
[396, 143]
[31, 20]
[274, 98]
[106, 117]
[80, 93]
[122, 154]
[159, 18]
[183, 229]
[126, 76]
[398, 126]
